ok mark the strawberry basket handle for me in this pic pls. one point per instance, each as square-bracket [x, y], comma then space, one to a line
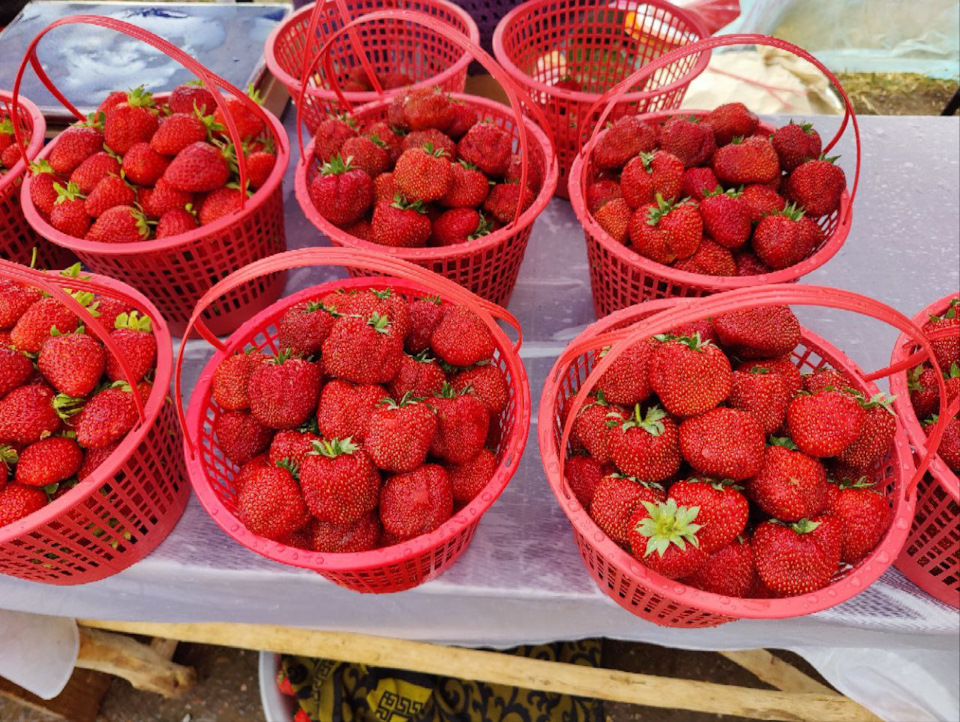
[682, 311]
[613, 96]
[917, 356]
[514, 95]
[210, 79]
[367, 260]
[54, 285]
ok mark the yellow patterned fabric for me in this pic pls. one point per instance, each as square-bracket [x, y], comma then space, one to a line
[329, 691]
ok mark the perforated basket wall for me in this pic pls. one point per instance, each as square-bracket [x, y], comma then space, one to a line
[426, 57]
[123, 510]
[600, 44]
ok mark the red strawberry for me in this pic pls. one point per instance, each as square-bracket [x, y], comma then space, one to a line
[762, 201]
[420, 376]
[488, 383]
[458, 225]
[462, 424]
[68, 215]
[690, 140]
[946, 350]
[697, 182]
[595, 425]
[616, 498]
[665, 232]
[111, 101]
[16, 369]
[360, 536]
[175, 222]
[15, 299]
[132, 122]
[249, 124]
[42, 190]
[703, 326]
[826, 423]
[219, 204]
[614, 217]
[383, 135]
[464, 118]
[260, 165]
[864, 516]
[231, 377]
[759, 332]
[924, 391]
[191, 98]
[749, 265]
[8, 457]
[365, 154]
[304, 327]
[799, 558]
[534, 171]
[120, 224]
[400, 224]
[827, 378]
[364, 351]
[461, 338]
[340, 483]
[400, 434]
[284, 391]
[386, 303]
[732, 120]
[73, 146]
[111, 192]
[689, 375]
[18, 502]
[730, 571]
[38, 323]
[468, 187]
[143, 165]
[876, 436]
[791, 485]
[384, 189]
[649, 174]
[27, 414]
[425, 315]
[583, 475]
[434, 138]
[710, 259]
[501, 203]
[781, 240]
[179, 130]
[11, 156]
[423, 174]
[647, 447]
[133, 335]
[108, 415]
[723, 443]
[949, 449]
[469, 477]
[49, 461]
[782, 367]
[487, 147]
[198, 168]
[601, 192]
[73, 363]
[816, 186]
[425, 108]
[416, 503]
[762, 393]
[627, 137]
[726, 218]
[345, 410]
[330, 136]
[796, 144]
[93, 170]
[291, 445]
[626, 382]
[747, 161]
[270, 504]
[341, 193]
[723, 510]
[163, 198]
[241, 436]
[664, 537]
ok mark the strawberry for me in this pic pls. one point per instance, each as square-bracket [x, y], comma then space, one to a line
[162, 198]
[383, 135]
[260, 165]
[646, 447]
[241, 436]
[464, 118]
[8, 457]
[759, 332]
[514, 171]
[723, 443]
[400, 223]
[781, 240]
[249, 124]
[615, 217]
[946, 350]
[68, 215]
[386, 303]
[108, 415]
[664, 538]
[595, 426]
[826, 423]
[689, 375]
[73, 146]
[425, 315]
[468, 478]
[93, 170]
[795, 144]
[749, 265]
[424, 108]
[73, 363]
[384, 189]
[458, 225]
[416, 503]
[949, 449]
[710, 259]
[18, 502]
[400, 434]
[462, 424]
[621, 141]
[42, 190]
[133, 335]
[762, 201]
[191, 98]
[179, 130]
[270, 504]
[601, 192]
[218, 204]
[799, 558]
[583, 474]
[461, 338]
[761, 393]
[864, 517]
[782, 367]
[132, 122]
[283, 684]
[284, 391]
[39, 322]
[649, 174]
[924, 391]
[345, 410]
[697, 182]
[365, 154]
[339, 481]
[330, 136]
[746, 161]
[423, 174]
[120, 224]
[501, 203]
[726, 218]
[689, 139]
[49, 461]
[419, 375]
[11, 156]
[626, 382]
[791, 485]
[304, 327]
[16, 369]
[468, 187]
[175, 222]
[15, 299]
[876, 436]
[703, 326]
[111, 192]
[231, 377]
[488, 383]
[434, 138]
[731, 120]
[616, 498]
[730, 571]
[487, 147]
[723, 510]
[292, 446]
[364, 351]
[198, 168]
[827, 378]
[816, 186]
[143, 165]
[360, 536]
[665, 232]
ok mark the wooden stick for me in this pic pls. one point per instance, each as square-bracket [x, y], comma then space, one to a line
[164, 647]
[775, 672]
[137, 663]
[494, 668]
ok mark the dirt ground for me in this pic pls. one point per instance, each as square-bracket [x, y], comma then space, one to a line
[897, 93]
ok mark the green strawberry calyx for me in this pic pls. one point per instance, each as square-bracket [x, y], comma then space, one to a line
[647, 159]
[423, 357]
[134, 321]
[791, 211]
[291, 466]
[67, 406]
[382, 294]
[140, 98]
[598, 399]
[785, 441]
[378, 141]
[281, 357]
[93, 120]
[861, 483]
[483, 228]
[334, 448]
[694, 342]
[400, 202]
[254, 94]
[70, 192]
[805, 127]
[337, 165]
[379, 322]
[429, 149]
[931, 419]
[8, 455]
[719, 191]
[804, 526]
[408, 399]
[466, 164]
[760, 370]
[41, 166]
[448, 392]
[651, 422]
[718, 484]
[877, 400]
[663, 208]
[669, 524]
[913, 379]
[954, 372]
[432, 299]
[314, 306]
[6, 126]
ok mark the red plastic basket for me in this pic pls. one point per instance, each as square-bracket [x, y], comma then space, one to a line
[428, 58]
[635, 587]
[536, 43]
[391, 569]
[489, 265]
[621, 277]
[931, 556]
[124, 509]
[175, 272]
[17, 239]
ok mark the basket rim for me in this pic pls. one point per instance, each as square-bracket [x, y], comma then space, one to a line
[827, 251]
[362, 98]
[111, 465]
[36, 139]
[200, 234]
[349, 562]
[867, 571]
[898, 386]
[440, 253]
[693, 22]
